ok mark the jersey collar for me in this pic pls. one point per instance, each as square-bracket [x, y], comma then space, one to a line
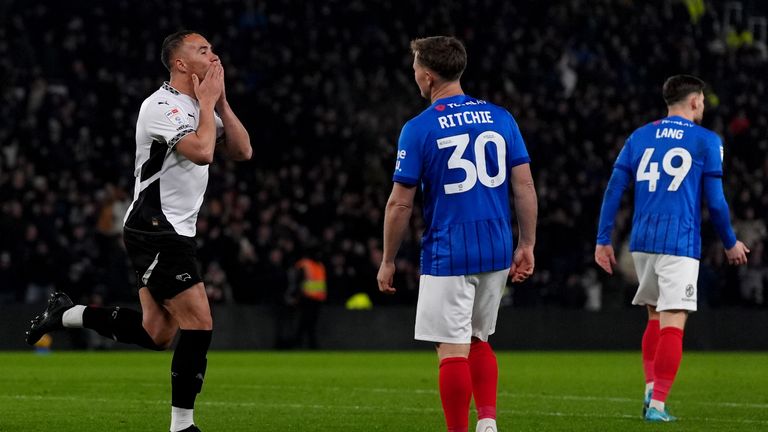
[453, 98]
[680, 118]
[167, 86]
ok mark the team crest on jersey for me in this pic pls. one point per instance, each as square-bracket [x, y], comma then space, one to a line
[176, 116]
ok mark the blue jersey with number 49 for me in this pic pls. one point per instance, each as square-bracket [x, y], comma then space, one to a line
[668, 160]
[461, 151]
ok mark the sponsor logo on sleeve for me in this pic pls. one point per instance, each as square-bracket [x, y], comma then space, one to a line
[176, 116]
[400, 156]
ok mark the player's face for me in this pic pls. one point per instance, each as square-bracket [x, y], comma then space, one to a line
[421, 76]
[197, 55]
[698, 113]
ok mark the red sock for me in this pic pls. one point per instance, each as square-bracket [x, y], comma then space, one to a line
[667, 362]
[455, 392]
[650, 343]
[485, 376]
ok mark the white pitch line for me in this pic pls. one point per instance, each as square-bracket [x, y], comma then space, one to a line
[501, 393]
[527, 413]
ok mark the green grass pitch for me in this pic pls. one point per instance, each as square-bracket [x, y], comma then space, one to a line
[373, 391]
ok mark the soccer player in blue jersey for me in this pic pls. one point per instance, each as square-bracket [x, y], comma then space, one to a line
[464, 153]
[671, 162]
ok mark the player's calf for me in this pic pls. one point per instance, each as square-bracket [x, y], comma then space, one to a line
[455, 392]
[187, 372]
[485, 373]
[121, 324]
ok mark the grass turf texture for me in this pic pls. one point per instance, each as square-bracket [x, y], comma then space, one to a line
[339, 391]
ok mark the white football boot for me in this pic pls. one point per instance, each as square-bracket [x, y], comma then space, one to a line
[486, 425]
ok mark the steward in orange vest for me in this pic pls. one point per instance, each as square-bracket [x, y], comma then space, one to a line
[314, 285]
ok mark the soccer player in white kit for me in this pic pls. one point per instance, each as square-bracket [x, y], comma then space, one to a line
[178, 128]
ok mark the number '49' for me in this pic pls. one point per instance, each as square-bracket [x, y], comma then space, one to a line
[649, 171]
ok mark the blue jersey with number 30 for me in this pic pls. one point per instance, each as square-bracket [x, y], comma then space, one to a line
[668, 159]
[461, 150]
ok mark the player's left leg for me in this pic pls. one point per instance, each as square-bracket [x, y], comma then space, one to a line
[455, 381]
[191, 310]
[444, 316]
[118, 323]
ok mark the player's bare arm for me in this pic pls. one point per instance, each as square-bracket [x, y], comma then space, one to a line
[526, 207]
[237, 142]
[198, 147]
[396, 217]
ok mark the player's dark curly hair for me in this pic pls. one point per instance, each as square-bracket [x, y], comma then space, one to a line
[677, 88]
[171, 43]
[443, 54]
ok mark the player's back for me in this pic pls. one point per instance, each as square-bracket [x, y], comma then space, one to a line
[668, 159]
[467, 149]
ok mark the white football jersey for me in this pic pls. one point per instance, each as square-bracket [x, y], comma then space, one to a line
[169, 187]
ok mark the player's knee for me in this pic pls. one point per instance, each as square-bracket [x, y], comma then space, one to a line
[206, 322]
[197, 321]
[162, 339]
[445, 350]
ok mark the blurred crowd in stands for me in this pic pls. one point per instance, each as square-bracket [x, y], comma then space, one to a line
[324, 88]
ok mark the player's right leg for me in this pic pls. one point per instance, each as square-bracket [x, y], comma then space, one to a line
[648, 295]
[117, 323]
[482, 359]
[124, 324]
[649, 344]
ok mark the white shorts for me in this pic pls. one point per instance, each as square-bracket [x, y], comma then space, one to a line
[452, 309]
[666, 281]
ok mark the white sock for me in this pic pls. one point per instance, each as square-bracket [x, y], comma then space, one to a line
[73, 317]
[486, 425]
[648, 387]
[659, 405]
[181, 418]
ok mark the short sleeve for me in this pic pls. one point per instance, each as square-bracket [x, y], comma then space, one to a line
[408, 168]
[166, 123]
[220, 137]
[713, 157]
[517, 153]
[624, 160]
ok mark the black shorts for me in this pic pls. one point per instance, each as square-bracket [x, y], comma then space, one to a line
[166, 263]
